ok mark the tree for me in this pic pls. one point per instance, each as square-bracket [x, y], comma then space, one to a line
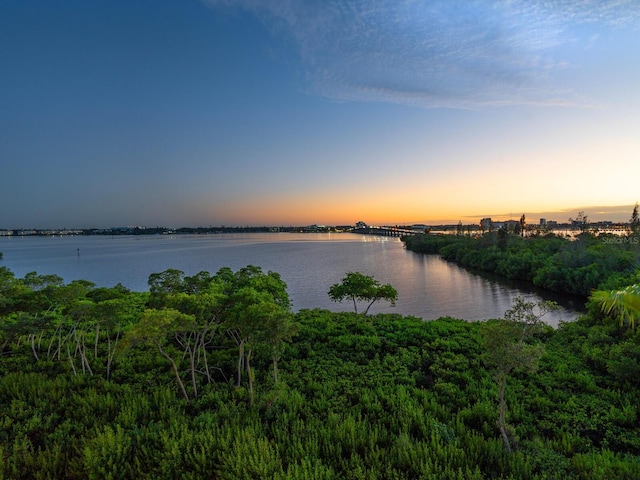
[582, 221]
[278, 328]
[200, 297]
[358, 287]
[634, 221]
[205, 308]
[523, 224]
[163, 284]
[257, 313]
[153, 329]
[502, 236]
[508, 349]
[624, 303]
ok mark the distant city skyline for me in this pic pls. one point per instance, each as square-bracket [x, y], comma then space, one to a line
[616, 214]
[245, 112]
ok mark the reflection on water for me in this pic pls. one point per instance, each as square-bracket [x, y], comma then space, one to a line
[428, 287]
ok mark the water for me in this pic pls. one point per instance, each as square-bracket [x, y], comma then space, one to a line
[427, 286]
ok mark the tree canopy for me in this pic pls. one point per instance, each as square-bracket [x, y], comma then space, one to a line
[362, 288]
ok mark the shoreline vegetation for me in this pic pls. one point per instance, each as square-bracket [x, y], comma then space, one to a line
[570, 266]
[213, 376]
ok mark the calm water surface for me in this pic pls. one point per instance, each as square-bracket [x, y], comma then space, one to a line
[428, 287]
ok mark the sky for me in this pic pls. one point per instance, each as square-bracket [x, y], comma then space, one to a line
[296, 112]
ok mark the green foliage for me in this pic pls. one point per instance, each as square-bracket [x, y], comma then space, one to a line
[574, 267]
[624, 303]
[90, 386]
[509, 350]
[362, 288]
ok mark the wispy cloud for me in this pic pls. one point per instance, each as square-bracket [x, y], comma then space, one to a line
[438, 53]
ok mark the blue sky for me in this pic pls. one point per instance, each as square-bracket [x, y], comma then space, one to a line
[252, 112]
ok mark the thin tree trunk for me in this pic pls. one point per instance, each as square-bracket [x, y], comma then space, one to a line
[502, 421]
[206, 361]
[95, 346]
[33, 345]
[111, 352]
[250, 375]
[190, 351]
[73, 367]
[240, 363]
[175, 371]
[83, 353]
[78, 350]
[368, 307]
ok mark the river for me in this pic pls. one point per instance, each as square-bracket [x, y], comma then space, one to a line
[428, 287]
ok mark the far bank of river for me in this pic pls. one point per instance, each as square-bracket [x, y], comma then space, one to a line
[309, 263]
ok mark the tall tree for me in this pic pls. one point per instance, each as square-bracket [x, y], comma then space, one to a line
[257, 312]
[163, 284]
[154, 328]
[634, 221]
[358, 287]
[508, 348]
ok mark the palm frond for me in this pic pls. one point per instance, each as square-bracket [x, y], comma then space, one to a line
[624, 303]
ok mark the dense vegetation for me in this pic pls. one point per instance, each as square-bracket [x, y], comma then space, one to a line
[570, 266]
[212, 376]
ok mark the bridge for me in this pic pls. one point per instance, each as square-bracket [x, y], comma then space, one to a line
[384, 231]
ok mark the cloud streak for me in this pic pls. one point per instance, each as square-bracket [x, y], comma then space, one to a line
[437, 53]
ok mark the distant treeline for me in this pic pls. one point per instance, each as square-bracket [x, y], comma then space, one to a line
[168, 231]
[570, 266]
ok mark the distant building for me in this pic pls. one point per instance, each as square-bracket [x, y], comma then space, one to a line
[486, 224]
[543, 222]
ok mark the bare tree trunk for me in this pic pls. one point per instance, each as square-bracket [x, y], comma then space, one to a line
[175, 370]
[78, 351]
[33, 345]
[111, 352]
[368, 307]
[203, 349]
[73, 367]
[250, 375]
[192, 364]
[61, 342]
[95, 346]
[240, 363]
[56, 334]
[83, 355]
[502, 421]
